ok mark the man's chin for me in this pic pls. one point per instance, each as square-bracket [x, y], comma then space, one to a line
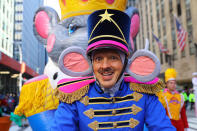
[107, 85]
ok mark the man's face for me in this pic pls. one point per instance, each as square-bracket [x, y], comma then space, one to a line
[107, 66]
[171, 85]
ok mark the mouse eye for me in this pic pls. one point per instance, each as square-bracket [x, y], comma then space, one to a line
[71, 28]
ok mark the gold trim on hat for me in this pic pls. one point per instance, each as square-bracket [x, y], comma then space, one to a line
[112, 36]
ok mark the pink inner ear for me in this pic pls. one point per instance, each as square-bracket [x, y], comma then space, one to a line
[134, 28]
[42, 24]
[142, 65]
[75, 62]
[135, 25]
[50, 42]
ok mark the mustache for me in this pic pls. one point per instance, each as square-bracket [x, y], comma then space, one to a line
[108, 69]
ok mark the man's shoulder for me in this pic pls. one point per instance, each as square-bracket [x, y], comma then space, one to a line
[70, 90]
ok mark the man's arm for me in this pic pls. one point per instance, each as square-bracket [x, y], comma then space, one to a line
[66, 118]
[155, 115]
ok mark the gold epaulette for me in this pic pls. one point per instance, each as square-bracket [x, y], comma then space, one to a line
[148, 88]
[71, 97]
[35, 97]
[70, 90]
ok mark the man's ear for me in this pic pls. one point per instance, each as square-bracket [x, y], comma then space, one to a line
[144, 66]
[74, 62]
[45, 19]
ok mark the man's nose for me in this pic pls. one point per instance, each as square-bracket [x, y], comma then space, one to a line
[105, 63]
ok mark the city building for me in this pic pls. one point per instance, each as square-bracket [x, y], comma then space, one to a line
[131, 3]
[158, 17]
[34, 54]
[18, 23]
[6, 26]
[17, 44]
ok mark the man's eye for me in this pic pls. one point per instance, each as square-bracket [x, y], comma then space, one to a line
[114, 57]
[97, 59]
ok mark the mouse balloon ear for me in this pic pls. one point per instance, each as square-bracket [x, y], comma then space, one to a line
[144, 66]
[74, 62]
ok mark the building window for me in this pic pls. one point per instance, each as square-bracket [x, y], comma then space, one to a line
[189, 28]
[19, 17]
[143, 41]
[18, 27]
[147, 23]
[179, 8]
[164, 26]
[170, 6]
[153, 45]
[166, 47]
[174, 45]
[157, 3]
[191, 48]
[166, 58]
[161, 58]
[158, 18]
[165, 43]
[19, 8]
[159, 30]
[17, 36]
[174, 55]
[4, 26]
[19, 1]
[6, 46]
[173, 40]
[2, 43]
[190, 39]
[162, 9]
[183, 53]
[172, 22]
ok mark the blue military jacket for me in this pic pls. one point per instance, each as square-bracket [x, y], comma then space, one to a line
[128, 110]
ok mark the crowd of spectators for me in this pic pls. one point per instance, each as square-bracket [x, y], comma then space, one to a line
[8, 103]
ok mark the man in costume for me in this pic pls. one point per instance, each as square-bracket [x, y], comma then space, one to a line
[173, 101]
[37, 99]
[110, 100]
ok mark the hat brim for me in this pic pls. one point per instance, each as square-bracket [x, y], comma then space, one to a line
[108, 44]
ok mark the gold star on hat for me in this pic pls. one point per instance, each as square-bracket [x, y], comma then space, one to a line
[106, 16]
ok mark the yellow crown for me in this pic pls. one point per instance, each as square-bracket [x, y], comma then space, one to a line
[71, 8]
[170, 74]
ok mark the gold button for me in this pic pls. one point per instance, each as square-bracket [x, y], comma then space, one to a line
[115, 125]
[114, 100]
[113, 112]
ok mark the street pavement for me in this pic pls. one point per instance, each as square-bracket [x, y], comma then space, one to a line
[192, 120]
[15, 127]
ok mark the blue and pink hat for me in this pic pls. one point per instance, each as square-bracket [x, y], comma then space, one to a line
[108, 28]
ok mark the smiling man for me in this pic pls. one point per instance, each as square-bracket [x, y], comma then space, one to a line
[107, 67]
[109, 101]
